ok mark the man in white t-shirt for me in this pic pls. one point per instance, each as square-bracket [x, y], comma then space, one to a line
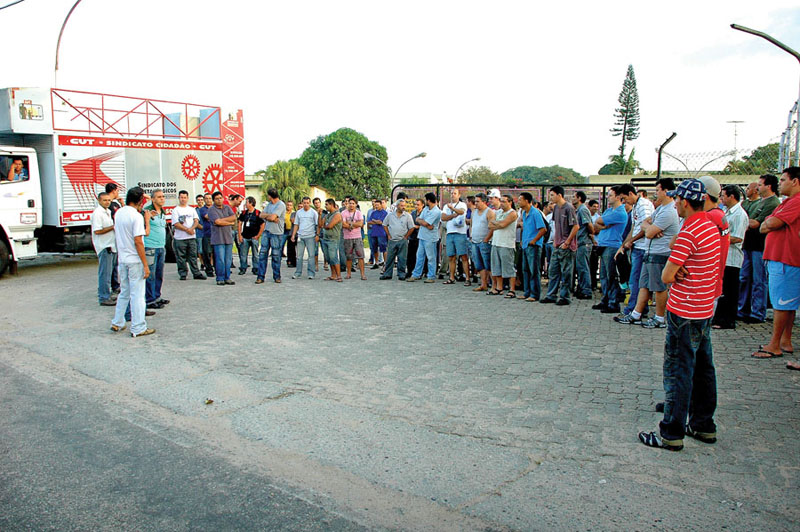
[304, 232]
[129, 229]
[105, 246]
[185, 222]
[455, 214]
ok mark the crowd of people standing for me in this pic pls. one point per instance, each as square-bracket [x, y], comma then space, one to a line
[704, 256]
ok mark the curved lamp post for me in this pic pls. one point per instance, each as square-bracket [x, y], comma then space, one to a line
[384, 163]
[455, 177]
[796, 55]
[58, 43]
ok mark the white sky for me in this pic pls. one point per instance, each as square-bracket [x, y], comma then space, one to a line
[511, 82]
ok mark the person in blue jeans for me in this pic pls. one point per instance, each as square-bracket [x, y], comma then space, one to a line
[533, 230]
[428, 234]
[154, 250]
[222, 219]
[376, 233]
[609, 228]
[583, 288]
[274, 213]
[104, 242]
[641, 209]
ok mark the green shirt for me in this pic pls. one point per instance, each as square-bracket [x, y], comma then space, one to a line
[158, 229]
[331, 234]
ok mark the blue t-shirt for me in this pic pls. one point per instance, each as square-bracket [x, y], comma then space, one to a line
[531, 224]
[158, 230]
[433, 217]
[201, 213]
[615, 221]
[377, 230]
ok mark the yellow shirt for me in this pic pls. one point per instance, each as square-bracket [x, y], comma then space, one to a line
[288, 220]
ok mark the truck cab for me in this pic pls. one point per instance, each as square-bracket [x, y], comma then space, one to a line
[20, 204]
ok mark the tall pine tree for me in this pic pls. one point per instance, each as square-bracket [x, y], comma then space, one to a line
[627, 114]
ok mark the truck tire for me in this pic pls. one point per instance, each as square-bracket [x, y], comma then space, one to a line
[5, 257]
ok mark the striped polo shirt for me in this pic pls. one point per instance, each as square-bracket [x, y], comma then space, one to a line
[697, 248]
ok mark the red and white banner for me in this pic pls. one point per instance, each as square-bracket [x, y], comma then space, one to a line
[232, 134]
[103, 142]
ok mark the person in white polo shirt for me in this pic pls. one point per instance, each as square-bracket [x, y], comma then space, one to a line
[455, 214]
[105, 246]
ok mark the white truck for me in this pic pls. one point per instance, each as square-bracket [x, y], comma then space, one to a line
[59, 148]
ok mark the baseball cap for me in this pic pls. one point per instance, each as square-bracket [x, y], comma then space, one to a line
[691, 189]
[494, 193]
[711, 184]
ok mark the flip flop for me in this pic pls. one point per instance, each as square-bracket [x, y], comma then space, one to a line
[449, 281]
[511, 295]
[494, 292]
[479, 289]
[364, 278]
[794, 366]
[339, 280]
[769, 354]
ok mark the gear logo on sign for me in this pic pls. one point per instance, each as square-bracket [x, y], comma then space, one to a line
[229, 139]
[190, 167]
[212, 178]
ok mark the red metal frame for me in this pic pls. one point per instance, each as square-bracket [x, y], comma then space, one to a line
[93, 117]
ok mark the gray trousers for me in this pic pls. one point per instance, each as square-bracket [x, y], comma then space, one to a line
[399, 249]
[186, 251]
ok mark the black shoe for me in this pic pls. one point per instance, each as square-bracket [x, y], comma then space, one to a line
[201, 277]
[182, 277]
[229, 282]
[163, 301]
[610, 310]
[562, 302]
[598, 306]
[108, 303]
[705, 437]
[375, 267]
[660, 407]
[242, 272]
[547, 300]
[581, 296]
[155, 305]
[149, 312]
[382, 278]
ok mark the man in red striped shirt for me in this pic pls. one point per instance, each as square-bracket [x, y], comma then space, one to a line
[690, 382]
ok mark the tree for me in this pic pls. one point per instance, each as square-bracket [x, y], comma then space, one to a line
[546, 175]
[288, 177]
[336, 162]
[479, 174]
[762, 160]
[627, 114]
[619, 165]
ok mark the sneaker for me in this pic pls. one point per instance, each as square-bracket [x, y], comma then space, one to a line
[294, 277]
[182, 278]
[259, 281]
[651, 439]
[108, 303]
[412, 279]
[201, 277]
[705, 437]
[654, 323]
[143, 333]
[310, 277]
[115, 328]
[430, 280]
[562, 302]
[628, 319]
[163, 301]
[229, 282]
[375, 267]
[242, 272]
[598, 306]
[222, 283]
[155, 305]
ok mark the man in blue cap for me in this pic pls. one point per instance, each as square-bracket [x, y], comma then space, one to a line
[690, 383]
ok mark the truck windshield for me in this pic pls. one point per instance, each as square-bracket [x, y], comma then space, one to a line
[13, 168]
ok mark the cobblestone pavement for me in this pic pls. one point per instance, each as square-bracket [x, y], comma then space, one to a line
[417, 406]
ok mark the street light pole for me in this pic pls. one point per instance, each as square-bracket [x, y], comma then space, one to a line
[455, 177]
[796, 55]
[394, 176]
[58, 43]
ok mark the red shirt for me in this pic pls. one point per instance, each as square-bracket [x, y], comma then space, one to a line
[783, 245]
[717, 216]
[697, 248]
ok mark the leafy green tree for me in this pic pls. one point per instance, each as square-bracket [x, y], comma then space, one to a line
[619, 165]
[546, 175]
[336, 162]
[762, 160]
[288, 177]
[626, 116]
[479, 174]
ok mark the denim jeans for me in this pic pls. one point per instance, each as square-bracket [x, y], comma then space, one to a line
[396, 249]
[186, 252]
[207, 252]
[637, 259]
[156, 278]
[330, 251]
[753, 286]
[548, 253]
[115, 274]
[270, 246]
[582, 267]
[532, 272]
[374, 250]
[223, 257]
[559, 273]
[104, 269]
[303, 244]
[690, 382]
[427, 248]
[342, 256]
[248, 245]
[131, 297]
[608, 278]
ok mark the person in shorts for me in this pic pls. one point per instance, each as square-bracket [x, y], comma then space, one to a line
[782, 256]
[503, 246]
[352, 222]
